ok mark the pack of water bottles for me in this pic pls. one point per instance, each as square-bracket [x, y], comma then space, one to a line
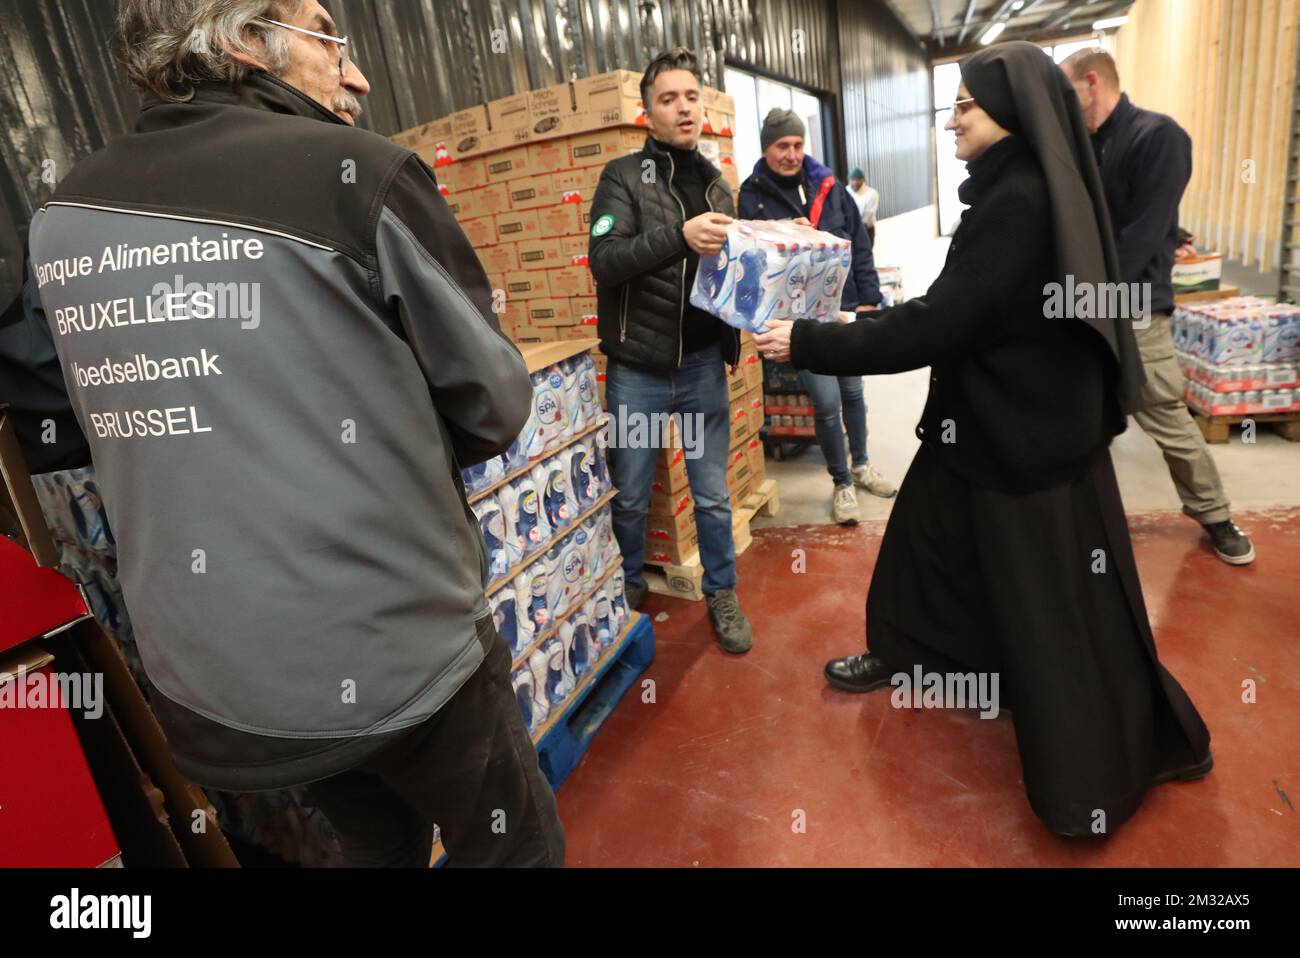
[772, 269]
[1239, 355]
[565, 402]
[550, 659]
[521, 517]
[1241, 331]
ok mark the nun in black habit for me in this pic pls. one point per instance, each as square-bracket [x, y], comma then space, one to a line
[1007, 550]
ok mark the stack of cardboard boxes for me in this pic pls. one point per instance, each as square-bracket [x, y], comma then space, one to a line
[519, 174]
[671, 534]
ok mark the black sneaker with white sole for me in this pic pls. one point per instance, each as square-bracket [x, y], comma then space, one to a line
[1230, 543]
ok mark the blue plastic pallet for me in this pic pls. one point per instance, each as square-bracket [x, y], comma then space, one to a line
[562, 747]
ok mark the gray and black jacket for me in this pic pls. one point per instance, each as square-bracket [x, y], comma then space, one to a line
[281, 349]
[638, 259]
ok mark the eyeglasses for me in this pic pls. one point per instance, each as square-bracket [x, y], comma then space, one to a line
[344, 61]
[961, 107]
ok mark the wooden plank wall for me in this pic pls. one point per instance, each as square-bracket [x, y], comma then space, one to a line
[1225, 70]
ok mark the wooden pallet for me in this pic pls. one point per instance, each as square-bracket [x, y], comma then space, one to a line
[686, 581]
[1218, 429]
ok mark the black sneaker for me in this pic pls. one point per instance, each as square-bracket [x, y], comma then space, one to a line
[1230, 543]
[635, 595]
[730, 624]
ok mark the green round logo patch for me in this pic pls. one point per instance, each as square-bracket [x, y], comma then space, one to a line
[603, 225]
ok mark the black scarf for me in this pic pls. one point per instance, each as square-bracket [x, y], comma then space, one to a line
[1026, 93]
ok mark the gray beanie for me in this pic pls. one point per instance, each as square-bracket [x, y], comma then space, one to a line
[780, 123]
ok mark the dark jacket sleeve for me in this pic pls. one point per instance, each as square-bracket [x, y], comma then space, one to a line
[429, 275]
[32, 385]
[1161, 171]
[747, 209]
[622, 253]
[865, 280]
[959, 312]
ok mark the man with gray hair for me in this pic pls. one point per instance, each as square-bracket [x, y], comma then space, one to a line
[305, 577]
[1145, 160]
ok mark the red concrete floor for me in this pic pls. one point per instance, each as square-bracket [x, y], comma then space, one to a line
[713, 772]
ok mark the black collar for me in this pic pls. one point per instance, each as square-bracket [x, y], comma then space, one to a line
[1118, 119]
[663, 159]
[258, 90]
[985, 169]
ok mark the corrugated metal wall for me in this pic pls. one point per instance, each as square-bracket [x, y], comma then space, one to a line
[886, 105]
[61, 96]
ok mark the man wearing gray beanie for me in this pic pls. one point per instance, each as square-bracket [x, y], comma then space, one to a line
[788, 184]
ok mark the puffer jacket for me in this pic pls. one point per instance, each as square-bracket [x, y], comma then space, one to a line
[761, 200]
[638, 255]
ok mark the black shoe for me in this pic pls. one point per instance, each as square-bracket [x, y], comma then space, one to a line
[1189, 774]
[1230, 543]
[729, 623]
[635, 595]
[858, 673]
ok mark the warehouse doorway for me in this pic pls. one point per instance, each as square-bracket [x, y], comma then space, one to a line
[754, 96]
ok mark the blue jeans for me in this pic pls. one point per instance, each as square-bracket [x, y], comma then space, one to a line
[697, 389]
[830, 394]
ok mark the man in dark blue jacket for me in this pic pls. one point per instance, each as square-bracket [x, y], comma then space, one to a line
[788, 184]
[1145, 160]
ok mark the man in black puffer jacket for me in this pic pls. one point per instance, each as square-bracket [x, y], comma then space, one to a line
[654, 214]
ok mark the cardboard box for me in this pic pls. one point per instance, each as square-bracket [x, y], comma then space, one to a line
[736, 388]
[469, 132]
[597, 149]
[720, 123]
[573, 249]
[540, 253]
[584, 215]
[464, 175]
[531, 192]
[563, 219]
[570, 281]
[525, 284]
[673, 528]
[517, 225]
[754, 400]
[595, 92]
[740, 432]
[1197, 274]
[752, 367]
[610, 99]
[669, 551]
[480, 231]
[509, 164]
[491, 199]
[550, 111]
[549, 155]
[576, 179]
[532, 335]
[737, 472]
[576, 332]
[671, 477]
[500, 258]
[462, 205]
[510, 111]
[757, 469]
[583, 308]
[549, 311]
[425, 135]
[670, 505]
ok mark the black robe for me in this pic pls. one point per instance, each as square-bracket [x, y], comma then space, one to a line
[1007, 549]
